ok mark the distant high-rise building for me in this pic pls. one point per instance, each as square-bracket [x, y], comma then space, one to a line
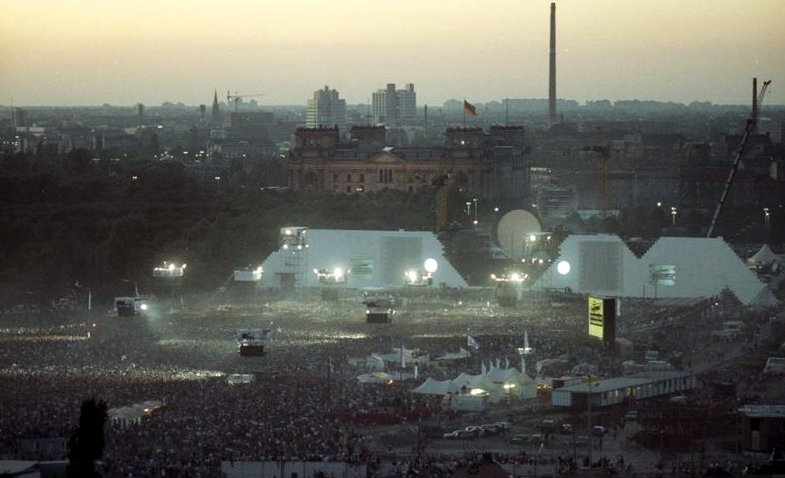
[18, 117]
[215, 115]
[393, 107]
[407, 104]
[140, 110]
[326, 109]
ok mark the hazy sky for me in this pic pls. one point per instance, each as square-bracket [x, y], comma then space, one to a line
[90, 52]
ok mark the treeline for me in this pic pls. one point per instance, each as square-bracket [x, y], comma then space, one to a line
[72, 219]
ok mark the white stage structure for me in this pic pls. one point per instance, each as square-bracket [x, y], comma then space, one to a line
[372, 259]
[674, 267]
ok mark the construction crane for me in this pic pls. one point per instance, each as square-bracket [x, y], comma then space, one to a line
[236, 98]
[750, 126]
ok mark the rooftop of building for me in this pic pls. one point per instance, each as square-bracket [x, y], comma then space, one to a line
[619, 383]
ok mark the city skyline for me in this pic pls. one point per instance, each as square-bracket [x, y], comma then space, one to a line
[99, 52]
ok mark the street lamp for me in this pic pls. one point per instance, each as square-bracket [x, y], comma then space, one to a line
[674, 212]
[475, 211]
[468, 209]
[766, 217]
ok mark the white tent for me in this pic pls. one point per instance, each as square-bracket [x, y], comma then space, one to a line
[512, 382]
[464, 380]
[496, 384]
[763, 258]
[470, 402]
[125, 416]
[433, 387]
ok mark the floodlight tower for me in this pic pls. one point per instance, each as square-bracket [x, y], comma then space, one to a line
[171, 274]
[294, 243]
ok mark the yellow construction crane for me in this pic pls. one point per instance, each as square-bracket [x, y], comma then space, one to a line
[236, 98]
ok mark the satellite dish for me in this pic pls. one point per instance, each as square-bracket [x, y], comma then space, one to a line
[514, 229]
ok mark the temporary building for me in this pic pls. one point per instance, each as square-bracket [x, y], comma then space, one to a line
[373, 259]
[674, 267]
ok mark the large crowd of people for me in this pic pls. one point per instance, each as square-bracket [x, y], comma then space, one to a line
[305, 402]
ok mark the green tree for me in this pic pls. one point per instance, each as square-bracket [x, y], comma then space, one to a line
[86, 443]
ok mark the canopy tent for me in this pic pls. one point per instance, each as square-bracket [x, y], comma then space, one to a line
[470, 402]
[496, 384]
[464, 380]
[765, 257]
[509, 382]
[125, 416]
[433, 387]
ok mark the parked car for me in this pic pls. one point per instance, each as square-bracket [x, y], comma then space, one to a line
[452, 435]
[504, 426]
[520, 439]
[547, 425]
[566, 428]
[598, 430]
[490, 428]
[631, 416]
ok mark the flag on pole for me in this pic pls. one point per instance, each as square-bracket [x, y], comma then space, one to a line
[472, 342]
[469, 108]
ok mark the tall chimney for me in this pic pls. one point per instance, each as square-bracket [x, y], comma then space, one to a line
[552, 72]
[754, 104]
